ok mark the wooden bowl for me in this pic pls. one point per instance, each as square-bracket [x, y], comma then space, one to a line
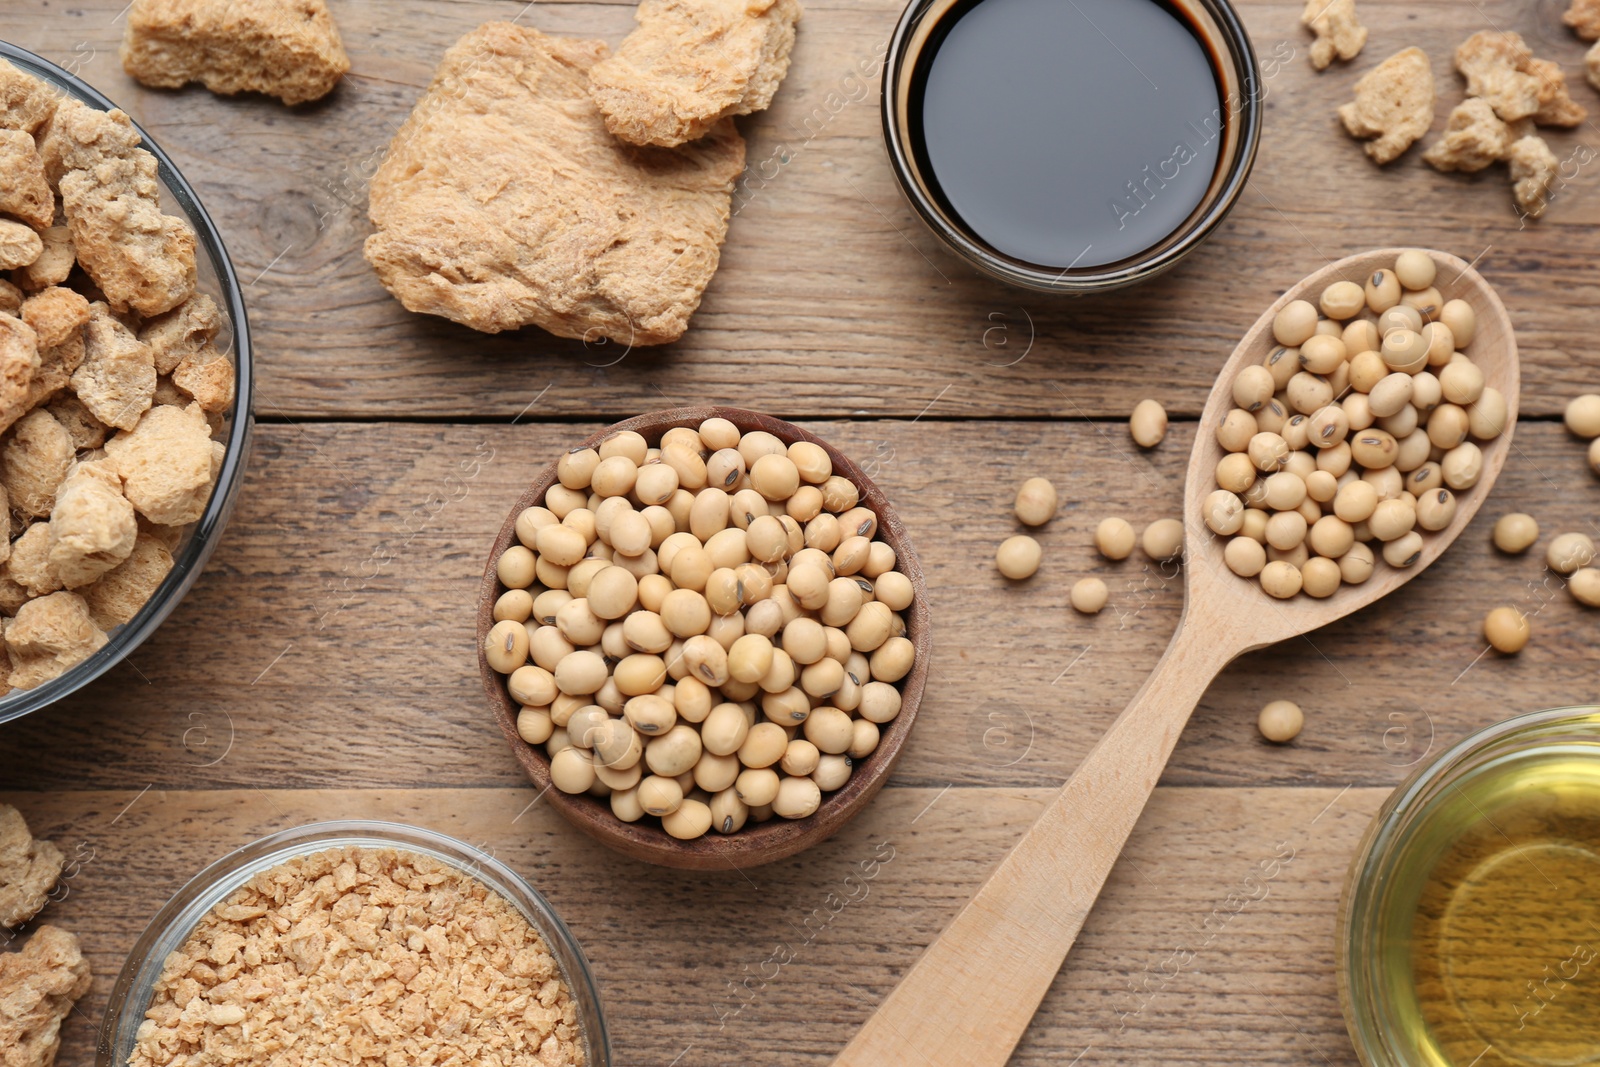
[756, 843]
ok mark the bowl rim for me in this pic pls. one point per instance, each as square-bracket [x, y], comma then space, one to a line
[1246, 104]
[202, 537]
[172, 924]
[755, 843]
[1367, 876]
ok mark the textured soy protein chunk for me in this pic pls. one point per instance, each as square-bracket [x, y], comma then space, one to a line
[56, 367]
[123, 590]
[1533, 171]
[29, 565]
[1500, 68]
[26, 103]
[690, 63]
[29, 868]
[117, 379]
[20, 245]
[165, 463]
[140, 258]
[1584, 18]
[33, 461]
[24, 194]
[207, 378]
[185, 331]
[285, 48]
[56, 315]
[54, 264]
[1556, 106]
[19, 361]
[85, 430]
[1393, 105]
[38, 987]
[1474, 138]
[504, 202]
[50, 635]
[92, 528]
[1339, 32]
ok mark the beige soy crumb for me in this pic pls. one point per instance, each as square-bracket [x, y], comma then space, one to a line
[361, 956]
[117, 378]
[19, 361]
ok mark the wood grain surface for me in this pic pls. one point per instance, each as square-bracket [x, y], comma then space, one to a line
[324, 665]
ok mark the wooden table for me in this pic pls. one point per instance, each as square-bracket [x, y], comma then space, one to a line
[324, 665]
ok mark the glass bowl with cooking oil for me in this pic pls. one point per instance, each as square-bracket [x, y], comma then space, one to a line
[1470, 923]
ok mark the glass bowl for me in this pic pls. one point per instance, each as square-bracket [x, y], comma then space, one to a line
[1469, 929]
[130, 997]
[217, 280]
[1239, 82]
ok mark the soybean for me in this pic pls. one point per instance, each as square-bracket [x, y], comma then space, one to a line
[1568, 552]
[1507, 630]
[1089, 596]
[1515, 533]
[1036, 502]
[1280, 721]
[1018, 557]
[1148, 424]
[1163, 540]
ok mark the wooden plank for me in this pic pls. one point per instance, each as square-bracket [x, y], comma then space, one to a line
[831, 297]
[330, 642]
[688, 962]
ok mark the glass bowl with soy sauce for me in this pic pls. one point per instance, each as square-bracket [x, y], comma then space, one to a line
[1469, 928]
[1076, 146]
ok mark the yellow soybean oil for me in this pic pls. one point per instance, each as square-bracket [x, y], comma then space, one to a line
[1493, 957]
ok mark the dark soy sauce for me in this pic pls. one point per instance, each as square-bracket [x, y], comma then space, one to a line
[1068, 133]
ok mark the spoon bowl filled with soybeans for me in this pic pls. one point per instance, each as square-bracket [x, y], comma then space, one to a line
[1332, 386]
[1365, 416]
[705, 635]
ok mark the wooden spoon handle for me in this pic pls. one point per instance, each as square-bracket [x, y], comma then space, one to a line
[967, 1001]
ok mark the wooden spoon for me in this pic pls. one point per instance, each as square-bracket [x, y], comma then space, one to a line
[967, 1001]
